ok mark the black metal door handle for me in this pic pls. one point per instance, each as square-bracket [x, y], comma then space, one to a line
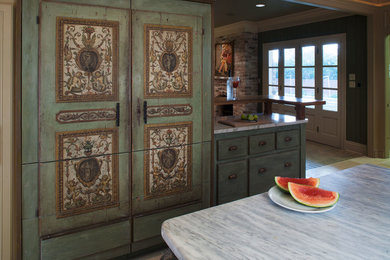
[118, 114]
[145, 112]
[138, 111]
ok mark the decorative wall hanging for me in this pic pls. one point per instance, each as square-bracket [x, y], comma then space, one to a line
[87, 171]
[86, 60]
[168, 61]
[167, 159]
[224, 59]
[86, 115]
[169, 110]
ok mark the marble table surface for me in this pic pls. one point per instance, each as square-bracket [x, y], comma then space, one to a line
[256, 228]
[264, 121]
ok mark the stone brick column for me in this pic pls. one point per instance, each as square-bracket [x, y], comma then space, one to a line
[245, 66]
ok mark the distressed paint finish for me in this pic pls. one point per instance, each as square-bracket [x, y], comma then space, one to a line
[125, 4]
[169, 110]
[30, 239]
[168, 61]
[30, 81]
[168, 164]
[256, 228]
[141, 204]
[86, 60]
[90, 182]
[47, 96]
[49, 223]
[85, 243]
[194, 9]
[87, 115]
[198, 17]
[140, 18]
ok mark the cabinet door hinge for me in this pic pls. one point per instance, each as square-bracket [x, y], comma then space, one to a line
[202, 31]
[38, 20]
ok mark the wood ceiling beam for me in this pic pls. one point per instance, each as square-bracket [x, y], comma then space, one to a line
[355, 6]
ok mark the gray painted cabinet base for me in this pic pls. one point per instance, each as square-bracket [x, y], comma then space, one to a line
[246, 162]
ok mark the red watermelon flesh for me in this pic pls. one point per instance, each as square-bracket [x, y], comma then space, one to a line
[282, 182]
[313, 196]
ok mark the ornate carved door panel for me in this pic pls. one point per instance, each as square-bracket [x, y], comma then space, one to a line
[167, 108]
[83, 85]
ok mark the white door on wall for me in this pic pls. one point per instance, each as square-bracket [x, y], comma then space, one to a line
[310, 68]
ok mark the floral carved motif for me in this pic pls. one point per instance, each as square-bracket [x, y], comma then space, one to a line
[87, 171]
[87, 60]
[168, 61]
[87, 115]
[168, 159]
[169, 110]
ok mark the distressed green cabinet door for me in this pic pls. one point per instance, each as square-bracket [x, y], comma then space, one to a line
[167, 109]
[84, 154]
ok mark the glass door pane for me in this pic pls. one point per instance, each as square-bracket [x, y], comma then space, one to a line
[330, 76]
[273, 72]
[308, 73]
[289, 72]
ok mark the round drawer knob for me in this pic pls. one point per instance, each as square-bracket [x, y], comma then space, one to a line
[262, 170]
[287, 139]
[233, 176]
[262, 143]
[233, 148]
[287, 164]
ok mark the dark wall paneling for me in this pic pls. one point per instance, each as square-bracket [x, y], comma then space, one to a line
[355, 28]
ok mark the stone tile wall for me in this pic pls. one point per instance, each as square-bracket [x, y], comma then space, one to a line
[245, 66]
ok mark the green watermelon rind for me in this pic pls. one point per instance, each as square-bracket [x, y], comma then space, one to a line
[314, 206]
[286, 190]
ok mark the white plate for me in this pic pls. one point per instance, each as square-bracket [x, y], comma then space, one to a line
[285, 200]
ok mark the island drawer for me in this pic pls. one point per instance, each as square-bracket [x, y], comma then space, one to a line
[232, 148]
[287, 139]
[262, 170]
[232, 181]
[261, 143]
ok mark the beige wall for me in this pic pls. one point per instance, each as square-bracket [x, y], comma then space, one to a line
[7, 1]
[6, 133]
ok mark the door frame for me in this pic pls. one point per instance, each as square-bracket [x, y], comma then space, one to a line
[8, 188]
[341, 39]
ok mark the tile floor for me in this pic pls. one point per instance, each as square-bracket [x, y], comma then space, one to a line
[320, 160]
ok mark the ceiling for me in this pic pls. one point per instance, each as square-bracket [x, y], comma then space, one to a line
[232, 11]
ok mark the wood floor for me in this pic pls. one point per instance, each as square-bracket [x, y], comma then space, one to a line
[320, 160]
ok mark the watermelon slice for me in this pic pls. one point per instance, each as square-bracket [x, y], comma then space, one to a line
[313, 196]
[282, 182]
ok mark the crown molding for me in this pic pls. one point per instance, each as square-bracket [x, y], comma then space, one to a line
[310, 16]
[378, 3]
[235, 28]
[365, 7]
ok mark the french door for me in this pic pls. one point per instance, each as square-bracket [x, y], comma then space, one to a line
[310, 68]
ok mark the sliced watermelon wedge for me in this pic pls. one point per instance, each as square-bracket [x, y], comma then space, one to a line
[313, 196]
[282, 182]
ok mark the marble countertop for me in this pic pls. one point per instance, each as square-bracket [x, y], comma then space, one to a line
[265, 121]
[256, 228]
